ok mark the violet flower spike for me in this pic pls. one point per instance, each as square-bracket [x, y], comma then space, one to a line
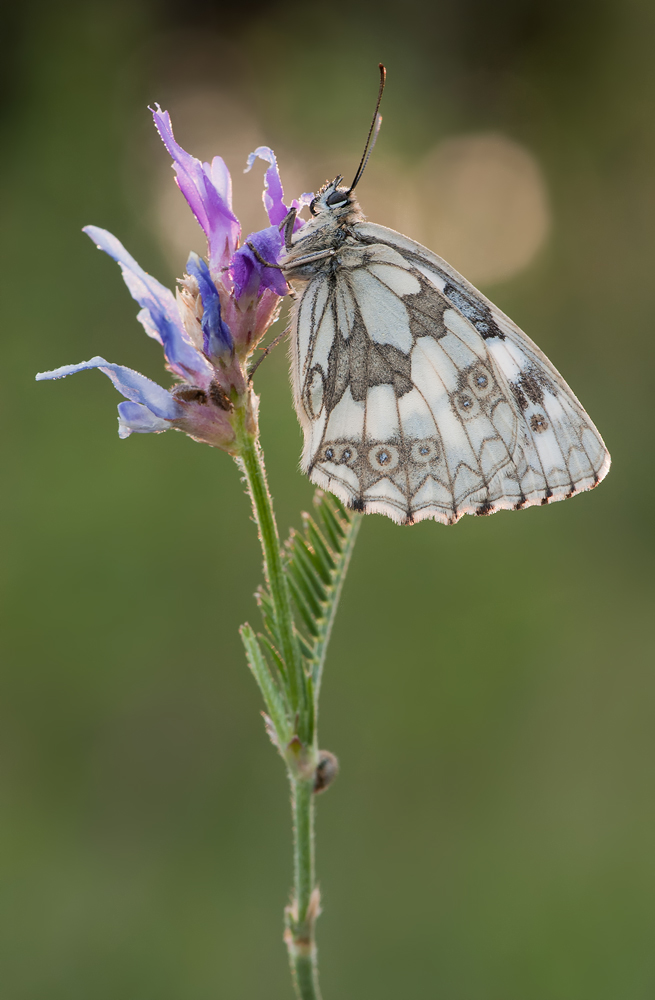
[221, 312]
[250, 292]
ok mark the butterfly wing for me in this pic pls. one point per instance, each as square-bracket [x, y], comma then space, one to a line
[419, 399]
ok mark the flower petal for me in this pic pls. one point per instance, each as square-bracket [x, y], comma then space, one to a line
[131, 384]
[220, 178]
[273, 195]
[208, 190]
[135, 418]
[250, 276]
[159, 315]
[217, 339]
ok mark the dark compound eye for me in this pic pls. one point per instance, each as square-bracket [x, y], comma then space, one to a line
[337, 198]
[312, 206]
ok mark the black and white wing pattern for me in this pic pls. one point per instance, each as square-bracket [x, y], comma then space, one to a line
[420, 399]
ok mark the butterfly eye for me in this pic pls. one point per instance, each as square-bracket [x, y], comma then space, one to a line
[312, 206]
[337, 198]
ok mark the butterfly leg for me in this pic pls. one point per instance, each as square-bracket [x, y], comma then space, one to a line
[287, 224]
[266, 351]
[309, 258]
[266, 263]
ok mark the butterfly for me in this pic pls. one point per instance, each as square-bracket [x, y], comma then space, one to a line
[418, 397]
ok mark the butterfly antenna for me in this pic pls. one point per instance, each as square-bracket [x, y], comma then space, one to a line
[372, 132]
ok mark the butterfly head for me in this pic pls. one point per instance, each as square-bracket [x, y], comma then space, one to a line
[336, 202]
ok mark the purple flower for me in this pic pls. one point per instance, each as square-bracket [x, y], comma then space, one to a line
[216, 337]
[152, 407]
[273, 196]
[221, 311]
[244, 284]
[191, 405]
[208, 190]
[160, 315]
[248, 272]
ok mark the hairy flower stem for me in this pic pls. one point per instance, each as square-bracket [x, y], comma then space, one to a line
[301, 761]
[302, 912]
[287, 660]
[251, 460]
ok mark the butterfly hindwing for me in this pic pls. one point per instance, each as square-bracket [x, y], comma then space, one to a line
[419, 399]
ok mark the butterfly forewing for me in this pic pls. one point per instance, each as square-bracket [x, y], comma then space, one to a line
[418, 398]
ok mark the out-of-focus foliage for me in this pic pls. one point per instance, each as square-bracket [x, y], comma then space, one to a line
[489, 688]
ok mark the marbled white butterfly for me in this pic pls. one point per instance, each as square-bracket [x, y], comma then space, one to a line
[418, 398]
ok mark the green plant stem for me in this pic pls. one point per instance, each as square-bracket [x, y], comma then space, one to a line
[301, 914]
[251, 461]
[291, 691]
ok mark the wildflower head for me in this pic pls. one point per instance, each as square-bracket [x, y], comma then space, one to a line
[223, 307]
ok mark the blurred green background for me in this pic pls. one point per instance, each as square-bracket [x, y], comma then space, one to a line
[489, 690]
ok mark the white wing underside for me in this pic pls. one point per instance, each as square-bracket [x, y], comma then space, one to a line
[419, 399]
